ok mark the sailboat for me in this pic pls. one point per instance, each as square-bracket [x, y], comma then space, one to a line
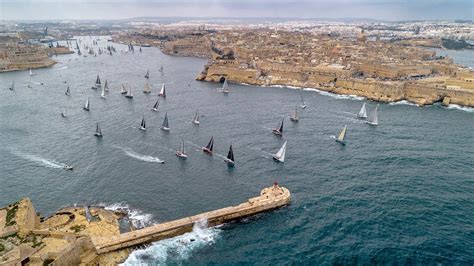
[31, 72]
[225, 87]
[303, 105]
[280, 155]
[86, 106]
[63, 114]
[161, 69]
[374, 120]
[97, 82]
[296, 115]
[147, 75]
[98, 131]
[143, 125]
[106, 86]
[129, 94]
[342, 135]
[123, 90]
[230, 157]
[209, 147]
[102, 95]
[279, 130]
[147, 88]
[181, 152]
[155, 107]
[196, 118]
[162, 91]
[68, 91]
[165, 126]
[12, 86]
[362, 113]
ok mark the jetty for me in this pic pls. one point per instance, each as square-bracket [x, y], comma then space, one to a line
[85, 235]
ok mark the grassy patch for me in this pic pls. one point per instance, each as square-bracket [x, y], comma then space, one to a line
[2, 247]
[78, 228]
[11, 212]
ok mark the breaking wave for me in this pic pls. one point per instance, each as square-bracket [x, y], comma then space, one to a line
[141, 157]
[41, 161]
[177, 249]
[462, 108]
[136, 216]
[62, 68]
[403, 102]
[337, 96]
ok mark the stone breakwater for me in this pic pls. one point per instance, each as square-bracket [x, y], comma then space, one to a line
[420, 92]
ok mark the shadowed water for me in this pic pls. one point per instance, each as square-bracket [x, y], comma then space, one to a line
[399, 193]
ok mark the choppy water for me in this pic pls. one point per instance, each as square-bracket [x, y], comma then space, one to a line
[401, 192]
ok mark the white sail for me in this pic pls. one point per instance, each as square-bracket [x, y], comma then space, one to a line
[102, 95]
[342, 135]
[162, 91]
[363, 112]
[129, 93]
[106, 86]
[147, 88]
[196, 118]
[280, 155]
[122, 89]
[86, 106]
[374, 119]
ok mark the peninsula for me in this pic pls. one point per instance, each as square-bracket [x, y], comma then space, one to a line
[92, 235]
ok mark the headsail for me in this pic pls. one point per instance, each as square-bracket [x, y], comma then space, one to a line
[342, 135]
[230, 155]
[225, 87]
[363, 112]
[155, 106]
[106, 86]
[142, 124]
[210, 145]
[196, 117]
[162, 91]
[86, 106]
[280, 155]
[165, 124]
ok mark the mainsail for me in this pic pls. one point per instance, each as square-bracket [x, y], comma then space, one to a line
[374, 119]
[143, 125]
[342, 135]
[162, 91]
[155, 107]
[165, 124]
[147, 88]
[106, 86]
[230, 155]
[225, 87]
[12, 86]
[129, 93]
[280, 155]
[210, 145]
[363, 112]
[97, 81]
[68, 91]
[98, 131]
[147, 75]
[122, 89]
[296, 115]
[86, 106]
[196, 117]
[102, 95]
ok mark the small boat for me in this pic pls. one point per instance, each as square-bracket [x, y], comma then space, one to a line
[147, 88]
[147, 75]
[155, 107]
[165, 126]
[209, 147]
[123, 90]
[106, 86]
[303, 105]
[374, 120]
[31, 72]
[225, 87]
[196, 118]
[162, 91]
[68, 91]
[129, 94]
[161, 69]
[98, 131]
[280, 155]
[86, 106]
[143, 125]
[181, 152]
[362, 113]
[230, 157]
[97, 82]
[102, 94]
[12, 87]
[342, 135]
[63, 113]
[67, 167]
[279, 130]
[296, 115]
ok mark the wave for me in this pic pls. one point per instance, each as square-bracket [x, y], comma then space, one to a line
[62, 68]
[177, 249]
[41, 161]
[462, 108]
[141, 157]
[136, 216]
[403, 102]
[337, 96]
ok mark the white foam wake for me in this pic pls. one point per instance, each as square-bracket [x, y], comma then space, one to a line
[462, 108]
[403, 102]
[136, 216]
[141, 157]
[62, 68]
[177, 249]
[337, 96]
[41, 161]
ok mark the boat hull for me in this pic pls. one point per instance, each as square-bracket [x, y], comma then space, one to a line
[277, 159]
[294, 119]
[277, 132]
[229, 162]
[165, 128]
[181, 155]
[342, 142]
[142, 128]
[206, 150]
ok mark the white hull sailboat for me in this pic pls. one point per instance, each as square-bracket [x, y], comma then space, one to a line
[165, 126]
[279, 130]
[342, 136]
[362, 113]
[374, 120]
[147, 88]
[106, 86]
[225, 87]
[296, 115]
[280, 155]
[123, 90]
[230, 158]
[129, 94]
[102, 94]
[162, 91]
[86, 105]
[209, 147]
[68, 91]
[155, 107]
[303, 105]
[12, 87]
[181, 152]
[63, 113]
[196, 118]
[97, 83]
[98, 131]
[142, 125]
[31, 72]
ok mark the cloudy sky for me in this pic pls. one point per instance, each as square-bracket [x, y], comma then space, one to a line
[122, 9]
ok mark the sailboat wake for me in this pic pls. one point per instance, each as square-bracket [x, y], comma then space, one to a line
[177, 249]
[41, 161]
[62, 68]
[141, 157]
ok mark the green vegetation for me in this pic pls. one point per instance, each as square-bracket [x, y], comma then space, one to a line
[48, 262]
[78, 228]
[455, 44]
[11, 212]
[2, 247]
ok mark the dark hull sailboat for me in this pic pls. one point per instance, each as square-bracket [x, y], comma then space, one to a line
[209, 147]
[142, 125]
[155, 107]
[98, 131]
[230, 158]
[279, 130]
[165, 126]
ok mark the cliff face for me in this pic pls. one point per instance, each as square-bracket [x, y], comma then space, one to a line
[419, 92]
